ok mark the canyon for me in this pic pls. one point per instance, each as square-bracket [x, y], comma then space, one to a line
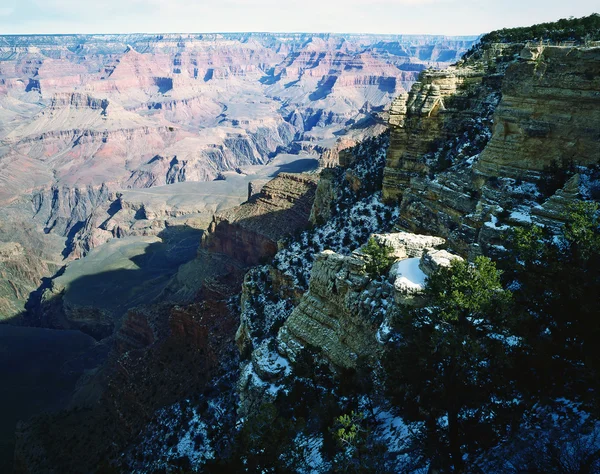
[87, 119]
[120, 154]
[204, 208]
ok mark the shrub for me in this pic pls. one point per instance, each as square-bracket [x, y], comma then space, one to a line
[380, 257]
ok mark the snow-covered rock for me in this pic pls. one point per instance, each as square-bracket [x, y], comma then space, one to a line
[268, 364]
[433, 260]
[407, 245]
[408, 280]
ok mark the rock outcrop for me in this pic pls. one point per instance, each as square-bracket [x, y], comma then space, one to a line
[451, 169]
[250, 233]
[553, 212]
[324, 196]
[433, 260]
[328, 317]
[342, 313]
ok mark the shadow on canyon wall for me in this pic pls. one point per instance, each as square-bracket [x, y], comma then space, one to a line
[39, 369]
[78, 394]
[40, 366]
[301, 165]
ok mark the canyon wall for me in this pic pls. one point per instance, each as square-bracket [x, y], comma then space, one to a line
[250, 233]
[549, 113]
[456, 168]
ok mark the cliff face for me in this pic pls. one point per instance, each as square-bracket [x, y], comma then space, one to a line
[249, 233]
[424, 118]
[20, 274]
[328, 317]
[550, 112]
[455, 168]
[26, 257]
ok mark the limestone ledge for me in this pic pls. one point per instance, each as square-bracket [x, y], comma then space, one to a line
[342, 312]
[420, 118]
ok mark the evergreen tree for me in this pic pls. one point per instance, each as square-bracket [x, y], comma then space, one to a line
[358, 452]
[556, 283]
[449, 366]
[380, 257]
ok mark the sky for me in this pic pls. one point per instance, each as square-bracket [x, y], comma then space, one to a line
[447, 17]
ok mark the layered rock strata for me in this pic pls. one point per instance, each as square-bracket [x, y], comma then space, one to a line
[250, 233]
[342, 313]
[421, 119]
[542, 108]
[550, 112]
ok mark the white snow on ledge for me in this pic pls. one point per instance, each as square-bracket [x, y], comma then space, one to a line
[408, 276]
[493, 223]
[520, 216]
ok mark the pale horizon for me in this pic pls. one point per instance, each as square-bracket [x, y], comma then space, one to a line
[378, 17]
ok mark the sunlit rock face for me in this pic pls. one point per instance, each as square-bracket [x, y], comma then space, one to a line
[472, 146]
[550, 112]
[418, 120]
[549, 96]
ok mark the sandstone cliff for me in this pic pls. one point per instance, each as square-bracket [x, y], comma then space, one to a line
[250, 232]
[550, 112]
[452, 167]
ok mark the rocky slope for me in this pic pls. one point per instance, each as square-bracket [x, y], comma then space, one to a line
[441, 135]
[443, 176]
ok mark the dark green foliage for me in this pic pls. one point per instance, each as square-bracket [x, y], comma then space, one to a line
[503, 215]
[557, 288]
[572, 29]
[267, 441]
[380, 257]
[576, 30]
[478, 357]
[357, 451]
[263, 444]
[449, 368]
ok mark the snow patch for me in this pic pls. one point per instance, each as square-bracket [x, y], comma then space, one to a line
[408, 276]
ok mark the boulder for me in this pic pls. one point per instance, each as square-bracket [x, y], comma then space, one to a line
[433, 260]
